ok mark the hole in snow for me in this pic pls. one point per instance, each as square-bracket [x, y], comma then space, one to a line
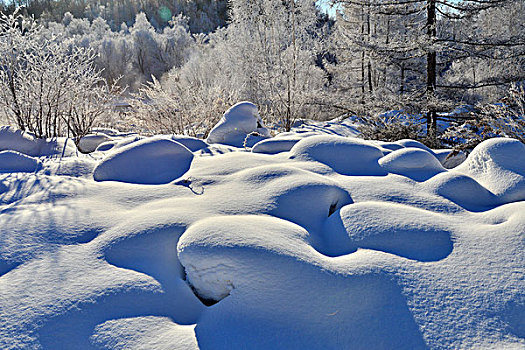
[204, 300]
[332, 209]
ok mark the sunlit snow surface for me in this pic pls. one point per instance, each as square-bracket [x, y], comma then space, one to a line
[319, 242]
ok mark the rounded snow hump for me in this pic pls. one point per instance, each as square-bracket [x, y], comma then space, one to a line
[151, 161]
[238, 122]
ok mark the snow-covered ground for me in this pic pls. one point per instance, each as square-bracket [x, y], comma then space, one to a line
[312, 239]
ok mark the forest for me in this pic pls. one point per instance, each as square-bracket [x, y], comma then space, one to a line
[445, 72]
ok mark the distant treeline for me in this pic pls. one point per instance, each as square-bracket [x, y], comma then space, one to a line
[204, 15]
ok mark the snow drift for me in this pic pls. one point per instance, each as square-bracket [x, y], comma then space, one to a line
[237, 123]
[336, 243]
[149, 161]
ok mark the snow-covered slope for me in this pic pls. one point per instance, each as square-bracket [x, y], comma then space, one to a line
[316, 242]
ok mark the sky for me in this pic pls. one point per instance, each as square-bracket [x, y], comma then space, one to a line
[326, 7]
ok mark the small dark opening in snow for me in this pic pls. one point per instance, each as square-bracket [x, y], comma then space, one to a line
[332, 209]
[259, 126]
[205, 301]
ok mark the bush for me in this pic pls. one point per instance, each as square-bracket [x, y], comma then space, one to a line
[48, 87]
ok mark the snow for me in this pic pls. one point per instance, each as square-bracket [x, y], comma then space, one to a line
[191, 143]
[15, 140]
[414, 163]
[134, 163]
[15, 162]
[236, 124]
[499, 165]
[90, 142]
[275, 145]
[346, 156]
[335, 243]
[117, 143]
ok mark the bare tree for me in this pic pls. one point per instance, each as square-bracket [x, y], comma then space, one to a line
[48, 87]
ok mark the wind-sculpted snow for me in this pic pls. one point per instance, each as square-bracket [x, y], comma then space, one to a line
[14, 162]
[12, 139]
[336, 243]
[237, 123]
[150, 161]
[413, 163]
[499, 165]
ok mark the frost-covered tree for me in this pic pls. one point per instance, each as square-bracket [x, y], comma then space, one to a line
[419, 41]
[47, 86]
[204, 15]
[274, 44]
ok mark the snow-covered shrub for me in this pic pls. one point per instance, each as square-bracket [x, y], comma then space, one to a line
[503, 119]
[391, 126]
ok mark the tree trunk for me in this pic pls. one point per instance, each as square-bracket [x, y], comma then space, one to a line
[431, 68]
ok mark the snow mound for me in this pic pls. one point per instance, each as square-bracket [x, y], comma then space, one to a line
[299, 196]
[347, 156]
[280, 293]
[23, 142]
[414, 163]
[407, 143]
[462, 190]
[392, 146]
[192, 143]
[15, 162]
[118, 143]
[89, 143]
[238, 122]
[214, 278]
[499, 165]
[275, 145]
[392, 228]
[17, 140]
[149, 161]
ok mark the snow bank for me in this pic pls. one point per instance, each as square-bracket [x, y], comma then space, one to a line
[23, 142]
[238, 122]
[292, 250]
[413, 163]
[89, 143]
[15, 162]
[499, 165]
[347, 156]
[149, 161]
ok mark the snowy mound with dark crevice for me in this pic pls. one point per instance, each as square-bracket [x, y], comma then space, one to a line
[334, 243]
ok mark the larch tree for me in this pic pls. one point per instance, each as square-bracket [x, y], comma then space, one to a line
[424, 38]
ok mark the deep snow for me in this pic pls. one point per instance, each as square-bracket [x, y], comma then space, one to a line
[313, 240]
